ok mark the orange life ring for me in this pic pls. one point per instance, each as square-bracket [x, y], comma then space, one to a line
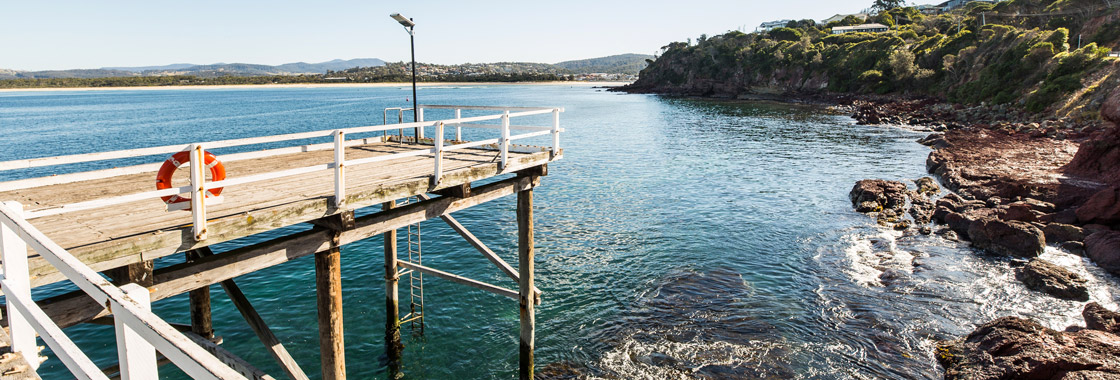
[163, 178]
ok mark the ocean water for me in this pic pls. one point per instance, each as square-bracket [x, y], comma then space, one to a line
[678, 238]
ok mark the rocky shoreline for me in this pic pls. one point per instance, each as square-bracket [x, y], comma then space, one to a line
[1018, 184]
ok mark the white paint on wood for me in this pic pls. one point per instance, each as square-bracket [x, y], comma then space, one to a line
[75, 360]
[13, 252]
[193, 360]
[504, 143]
[198, 192]
[438, 171]
[339, 169]
[458, 127]
[137, 357]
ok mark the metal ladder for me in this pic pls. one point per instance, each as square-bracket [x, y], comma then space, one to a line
[415, 279]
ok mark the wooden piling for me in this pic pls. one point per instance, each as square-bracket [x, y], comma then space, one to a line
[393, 345]
[136, 273]
[201, 321]
[525, 288]
[328, 284]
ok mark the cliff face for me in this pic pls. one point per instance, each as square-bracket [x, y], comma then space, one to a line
[1024, 63]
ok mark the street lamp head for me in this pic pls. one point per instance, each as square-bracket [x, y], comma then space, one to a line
[403, 20]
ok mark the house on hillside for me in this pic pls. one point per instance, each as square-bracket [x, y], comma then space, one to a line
[771, 25]
[930, 9]
[864, 28]
[838, 17]
[954, 4]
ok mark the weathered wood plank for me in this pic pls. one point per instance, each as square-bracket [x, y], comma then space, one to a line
[233, 361]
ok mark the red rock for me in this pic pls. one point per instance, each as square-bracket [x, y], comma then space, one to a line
[1012, 238]
[1099, 157]
[1099, 318]
[1016, 348]
[1046, 277]
[1102, 208]
[1104, 248]
[1058, 232]
[1019, 212]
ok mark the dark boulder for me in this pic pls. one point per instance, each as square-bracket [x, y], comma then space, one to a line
[887, 194]
[1099, 318]
[1059, 232]
[1012, 238]
[1016, 348]
[1102, 208]
[1044, 276]
[1104, 248]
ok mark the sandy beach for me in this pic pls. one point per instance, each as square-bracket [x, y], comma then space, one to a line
[316, 85]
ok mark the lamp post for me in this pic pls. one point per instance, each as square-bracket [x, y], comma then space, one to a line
[410, 26]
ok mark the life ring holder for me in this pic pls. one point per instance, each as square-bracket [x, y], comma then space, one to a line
[163, 179]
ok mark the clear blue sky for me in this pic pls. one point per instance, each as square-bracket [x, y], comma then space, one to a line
[45, 35]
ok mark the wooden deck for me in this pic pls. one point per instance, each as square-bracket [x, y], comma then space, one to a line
[115, 236]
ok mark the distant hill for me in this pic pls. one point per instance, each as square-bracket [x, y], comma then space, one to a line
[78, 73]
[615, 64]
[335, 65]
[173, 66]
[212, 70]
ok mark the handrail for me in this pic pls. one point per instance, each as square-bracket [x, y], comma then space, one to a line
[198, 206]
[138, 329]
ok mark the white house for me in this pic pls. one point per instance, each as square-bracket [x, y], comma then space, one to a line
[771, 25]
[864, 28]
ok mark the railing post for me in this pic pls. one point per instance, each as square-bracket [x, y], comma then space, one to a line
[137, 357]
[339, 169]
[198, 191]
[13, 252]
[438, 142]
[458, 126]
[504, 142]
[419, 130]
[555, 132]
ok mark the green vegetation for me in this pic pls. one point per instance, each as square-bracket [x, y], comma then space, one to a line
[1025, 62]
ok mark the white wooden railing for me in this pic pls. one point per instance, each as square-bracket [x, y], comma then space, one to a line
[140, 333]
[199, 186]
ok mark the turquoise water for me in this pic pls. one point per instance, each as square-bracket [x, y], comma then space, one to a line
[678, 238]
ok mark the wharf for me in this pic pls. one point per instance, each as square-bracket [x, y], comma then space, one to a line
[69, 227]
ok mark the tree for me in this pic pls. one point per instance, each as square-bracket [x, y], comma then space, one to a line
[882, 5]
